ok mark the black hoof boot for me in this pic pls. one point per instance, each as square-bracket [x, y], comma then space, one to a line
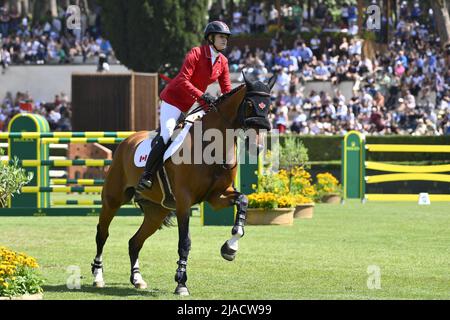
[181, 290]
[227, 253]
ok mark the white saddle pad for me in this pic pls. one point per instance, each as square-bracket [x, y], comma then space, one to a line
[143, 149]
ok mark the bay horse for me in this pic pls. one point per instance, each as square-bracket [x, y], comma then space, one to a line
[245, 107]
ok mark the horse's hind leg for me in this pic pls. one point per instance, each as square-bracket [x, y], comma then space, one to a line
[154, 216]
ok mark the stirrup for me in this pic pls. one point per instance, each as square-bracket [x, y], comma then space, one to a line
[144, 184]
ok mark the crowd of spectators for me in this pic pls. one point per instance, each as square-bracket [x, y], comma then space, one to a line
[57, 112]
[258, 17]
[404, 89]
[49, 41]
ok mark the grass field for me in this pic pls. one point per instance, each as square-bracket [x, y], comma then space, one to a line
[322, 258]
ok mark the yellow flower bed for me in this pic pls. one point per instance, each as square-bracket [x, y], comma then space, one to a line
[299, 199]
[301, 183]
[18, 274]
[326, 184]
[283, 189]
[269, 200]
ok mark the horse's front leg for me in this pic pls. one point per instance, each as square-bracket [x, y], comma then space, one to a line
[226, 199]
[230, 247]
[184, 246]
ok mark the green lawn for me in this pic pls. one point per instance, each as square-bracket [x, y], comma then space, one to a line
[323, 258]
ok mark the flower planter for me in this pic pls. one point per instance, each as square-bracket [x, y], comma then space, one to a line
[331, 198]
[37, 296]
[304, 211]
[258, 216]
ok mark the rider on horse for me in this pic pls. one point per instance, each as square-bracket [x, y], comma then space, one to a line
[202, 66]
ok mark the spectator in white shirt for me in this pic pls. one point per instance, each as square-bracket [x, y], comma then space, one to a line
[273, 15]
[282, 82]
[321, 72]
[5, 59]
[342, 111]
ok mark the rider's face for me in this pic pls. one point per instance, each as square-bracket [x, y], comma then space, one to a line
[220, 41]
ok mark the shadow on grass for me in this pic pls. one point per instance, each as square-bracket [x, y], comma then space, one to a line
[113, 289]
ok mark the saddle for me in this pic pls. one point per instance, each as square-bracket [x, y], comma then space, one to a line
[168, 200]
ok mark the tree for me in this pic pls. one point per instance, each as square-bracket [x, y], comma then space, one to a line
[153, 35]
[441, 13]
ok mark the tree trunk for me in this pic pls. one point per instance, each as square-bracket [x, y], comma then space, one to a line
[396, 13]
[26, 7]
[387, 5]
[230, 11]
[14, 3]
[38, 10]
[442, 18]
[278, 6]
[53, 8]
[309, 10]
[360, 16]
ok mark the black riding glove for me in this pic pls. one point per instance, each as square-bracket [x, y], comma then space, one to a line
[209, 99]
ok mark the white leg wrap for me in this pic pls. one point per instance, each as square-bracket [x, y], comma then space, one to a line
[98, 275]
[98, 272]
[233, 242]
[137, 278]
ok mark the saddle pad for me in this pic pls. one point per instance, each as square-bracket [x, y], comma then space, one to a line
[143, 149]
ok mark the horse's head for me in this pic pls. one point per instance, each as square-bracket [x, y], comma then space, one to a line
[254, 109]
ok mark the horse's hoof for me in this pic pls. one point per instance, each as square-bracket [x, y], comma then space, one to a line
[140, 285]
[99, 284]
[137, 281]
[181, 290]
[227, 253]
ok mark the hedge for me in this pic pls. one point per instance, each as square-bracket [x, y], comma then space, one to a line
[328, 148]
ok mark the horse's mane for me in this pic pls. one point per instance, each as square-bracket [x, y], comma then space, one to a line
[228, 94]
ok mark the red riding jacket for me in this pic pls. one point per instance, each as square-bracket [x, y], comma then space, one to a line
[194, 77]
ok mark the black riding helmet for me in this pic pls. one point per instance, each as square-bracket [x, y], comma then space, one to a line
[216, 27]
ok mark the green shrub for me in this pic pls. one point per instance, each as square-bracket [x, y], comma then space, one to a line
[12, 179]
[293, 153]
[328, 148]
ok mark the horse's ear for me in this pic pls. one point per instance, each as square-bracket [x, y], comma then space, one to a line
[272, 81]
[245, 78]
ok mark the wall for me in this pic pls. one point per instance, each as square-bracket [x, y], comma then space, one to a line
[44, 81]
[112, 101]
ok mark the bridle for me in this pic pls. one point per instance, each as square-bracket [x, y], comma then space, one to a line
[241, 114]
[241, 110]
[213, 107]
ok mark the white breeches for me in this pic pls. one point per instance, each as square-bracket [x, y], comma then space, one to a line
[168, 120]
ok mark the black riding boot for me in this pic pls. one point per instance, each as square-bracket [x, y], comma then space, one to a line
[154, 162]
